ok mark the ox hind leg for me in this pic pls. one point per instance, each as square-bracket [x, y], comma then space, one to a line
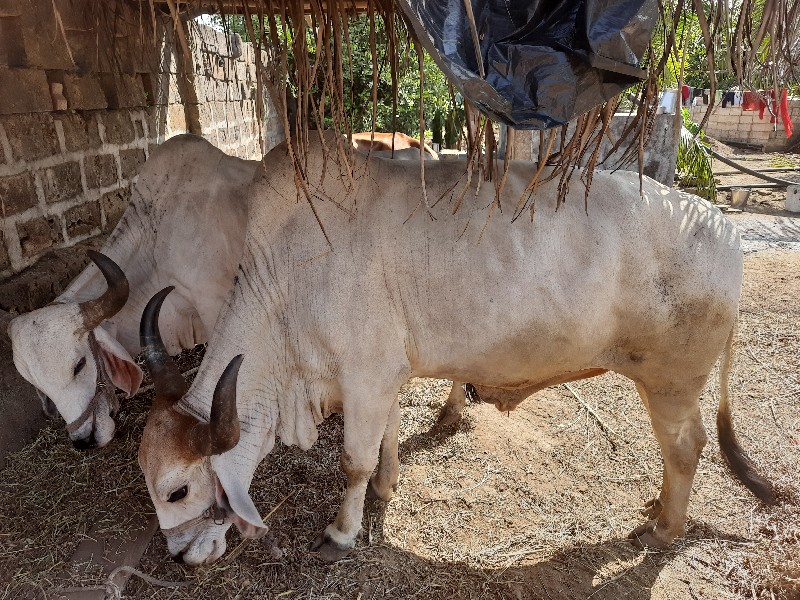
[384, 481]
[678, 427]
[366, 413]
[450, 413]
[387, 475]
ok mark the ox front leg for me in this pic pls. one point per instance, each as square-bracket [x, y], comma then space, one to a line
[365, 421]
[680, 433]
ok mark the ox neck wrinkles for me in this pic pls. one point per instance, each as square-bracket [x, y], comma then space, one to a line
[105, 390]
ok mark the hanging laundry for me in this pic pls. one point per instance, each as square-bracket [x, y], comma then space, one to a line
[778, 110]
[750, 101]
[685, 94]
[761, 104]
[669, 99]
[773, 108]
[728, 98]
[784, 112]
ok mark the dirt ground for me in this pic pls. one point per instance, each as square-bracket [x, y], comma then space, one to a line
[535, 503]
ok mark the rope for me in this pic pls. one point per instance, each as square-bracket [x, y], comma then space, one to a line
[114, 591]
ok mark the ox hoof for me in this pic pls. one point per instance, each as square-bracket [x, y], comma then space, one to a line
[652, 509]
[379, 491]
[328, 549]
[647, 535]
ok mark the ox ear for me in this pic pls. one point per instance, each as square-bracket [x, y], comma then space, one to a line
[124, 372]
[232, 496]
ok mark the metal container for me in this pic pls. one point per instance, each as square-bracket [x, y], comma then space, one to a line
[792, 203]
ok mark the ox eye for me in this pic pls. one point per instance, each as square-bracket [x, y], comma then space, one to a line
[79, 366]
[178, 494]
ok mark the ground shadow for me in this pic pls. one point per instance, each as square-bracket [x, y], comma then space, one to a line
[611, 569]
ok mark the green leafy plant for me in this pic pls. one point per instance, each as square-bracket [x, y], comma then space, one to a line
[444, 112]
[694, 162]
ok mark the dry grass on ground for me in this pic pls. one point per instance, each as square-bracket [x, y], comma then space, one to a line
[536, 503]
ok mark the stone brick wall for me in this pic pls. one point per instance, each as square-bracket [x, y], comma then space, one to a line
[82, 106]
[732, 124]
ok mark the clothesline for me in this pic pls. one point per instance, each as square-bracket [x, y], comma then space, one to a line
[748, 100]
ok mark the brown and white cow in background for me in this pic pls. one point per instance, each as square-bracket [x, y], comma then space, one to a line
[646, 285]
[388, 145]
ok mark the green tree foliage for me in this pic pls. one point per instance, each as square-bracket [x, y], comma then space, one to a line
[444, 115]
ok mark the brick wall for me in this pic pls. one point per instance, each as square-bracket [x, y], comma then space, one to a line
[81, 111]
[732, 124]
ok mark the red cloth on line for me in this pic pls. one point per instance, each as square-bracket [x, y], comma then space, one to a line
[749, 101]
[784, 112]
[762, 105]
[778, 110]
[685, 93]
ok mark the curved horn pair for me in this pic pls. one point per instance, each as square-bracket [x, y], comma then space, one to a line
[221, 433]
[111, 302]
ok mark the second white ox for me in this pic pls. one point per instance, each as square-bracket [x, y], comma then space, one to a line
[645, 285]
[185, 226]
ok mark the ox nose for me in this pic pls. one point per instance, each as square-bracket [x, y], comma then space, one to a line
[86, 443]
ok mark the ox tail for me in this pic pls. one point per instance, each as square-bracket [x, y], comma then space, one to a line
[741, 465]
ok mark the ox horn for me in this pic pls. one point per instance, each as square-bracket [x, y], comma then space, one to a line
[221, 433]
[111, 302]
[167, 379]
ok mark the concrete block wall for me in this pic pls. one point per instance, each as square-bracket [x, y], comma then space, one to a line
[81, 111]
[660, 153]
[732, 124]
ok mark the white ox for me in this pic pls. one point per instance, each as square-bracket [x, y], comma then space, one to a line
[645, 285]
[185, 226]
